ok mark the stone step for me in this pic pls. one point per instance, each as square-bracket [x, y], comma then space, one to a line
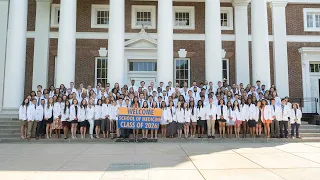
[309, 127]
[10, 131]
[309, 134]
[9, 123]
[308, 130]
[10, 116]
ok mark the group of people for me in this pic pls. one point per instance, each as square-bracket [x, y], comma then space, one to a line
[195, 111]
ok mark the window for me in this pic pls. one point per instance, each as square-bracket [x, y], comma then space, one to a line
[226, 16]
[182, 71]
[311, 19]
[101, 70]
[143, 17]
[142, 66]
[225, 70]
[55, 15]
[315, 67]
[99, 16]
[183, 17]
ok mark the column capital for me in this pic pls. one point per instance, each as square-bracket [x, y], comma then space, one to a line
[240, 2]
[278, 3]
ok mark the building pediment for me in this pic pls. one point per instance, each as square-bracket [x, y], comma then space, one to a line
[141, 41]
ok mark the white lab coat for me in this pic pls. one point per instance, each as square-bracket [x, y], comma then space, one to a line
[164, 116]
[23, 112]
[82, 114]
[187, 115]
[57, 110]
[237, 115]
[225, 112]
[90, 112]
[230, 114]
[273, 111]
[282, 116]
[105, 110]
[193, 115]
[267, 113]
[114, 112]
[295, 116]
[65, 115]
[171, 115]
[212, 112]
[48, 111]
[180, 115]
[32, 113]
[98, 112]
[73, 114]
[252, 111]
[40, 113]
[244, 112]
[255, 114]
[202, 113]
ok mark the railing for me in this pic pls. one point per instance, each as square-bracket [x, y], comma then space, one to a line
[308, 105]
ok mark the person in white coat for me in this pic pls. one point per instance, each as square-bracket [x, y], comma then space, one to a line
[237, 117]
[171, 115]
[180, 119]
[98, 117]
[257, 116]
[244, 116]
[48, 117]
[145, 131]
[74, 117]
[266, 117]
[23, 118]
[252, 122]
[65, 118]
[114, 120]
[275, 109]
[282, 114]
[193, 116]
[222, 113]
[295, 120]
[39, 119]
[230, 120]
[202, 114]
[211, 118]
[31, 116]
[164, 119]
[57, 116]
[187, 119]
[90, 116]
[105, 121]
[82, 118]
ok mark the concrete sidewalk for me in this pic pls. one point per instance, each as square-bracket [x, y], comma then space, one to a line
[232, 160]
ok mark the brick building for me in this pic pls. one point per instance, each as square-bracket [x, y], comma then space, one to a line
[88, 41]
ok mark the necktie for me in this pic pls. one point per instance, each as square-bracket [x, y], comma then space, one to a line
[185, 93]
[76, 108]
[38, 101]
[171, 112]
[35, 107]
[282, 108]
[210, 106]
[274, 108]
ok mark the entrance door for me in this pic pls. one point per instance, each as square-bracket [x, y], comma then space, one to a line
[315, 89]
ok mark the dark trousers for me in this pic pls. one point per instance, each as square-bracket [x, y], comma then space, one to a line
[283, 127]
[274, 128]
[125, 133]
[40, 129]
[296, 127]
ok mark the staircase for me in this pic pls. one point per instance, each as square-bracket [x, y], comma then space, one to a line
[10, 128]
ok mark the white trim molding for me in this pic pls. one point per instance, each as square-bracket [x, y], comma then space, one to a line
[229, 11]
[314, 12]
[184, 9]
[94, 15]
[143, 8]
[55, 8]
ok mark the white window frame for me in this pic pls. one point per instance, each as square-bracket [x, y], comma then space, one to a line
[54, 15]
[190, 10]
[305, 12]
[228, 72]
[94, 9]
[175, 69]
[142, 8]
[96, 66]
[229, 11]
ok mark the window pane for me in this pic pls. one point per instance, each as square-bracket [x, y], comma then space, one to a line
[130, 66]
[312, 67]
[225, 74]
[316, 68]
[310, 20]
[224, 64]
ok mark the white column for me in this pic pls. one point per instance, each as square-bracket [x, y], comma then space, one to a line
[4, 9]
[280, 50]
[242, 41]
[16, 54]
[66, 61]
[213, 61]
[116, 43]
[260, 42]
[41, 44]
[165, 42]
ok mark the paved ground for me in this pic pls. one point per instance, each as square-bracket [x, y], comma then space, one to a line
[194, 161]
